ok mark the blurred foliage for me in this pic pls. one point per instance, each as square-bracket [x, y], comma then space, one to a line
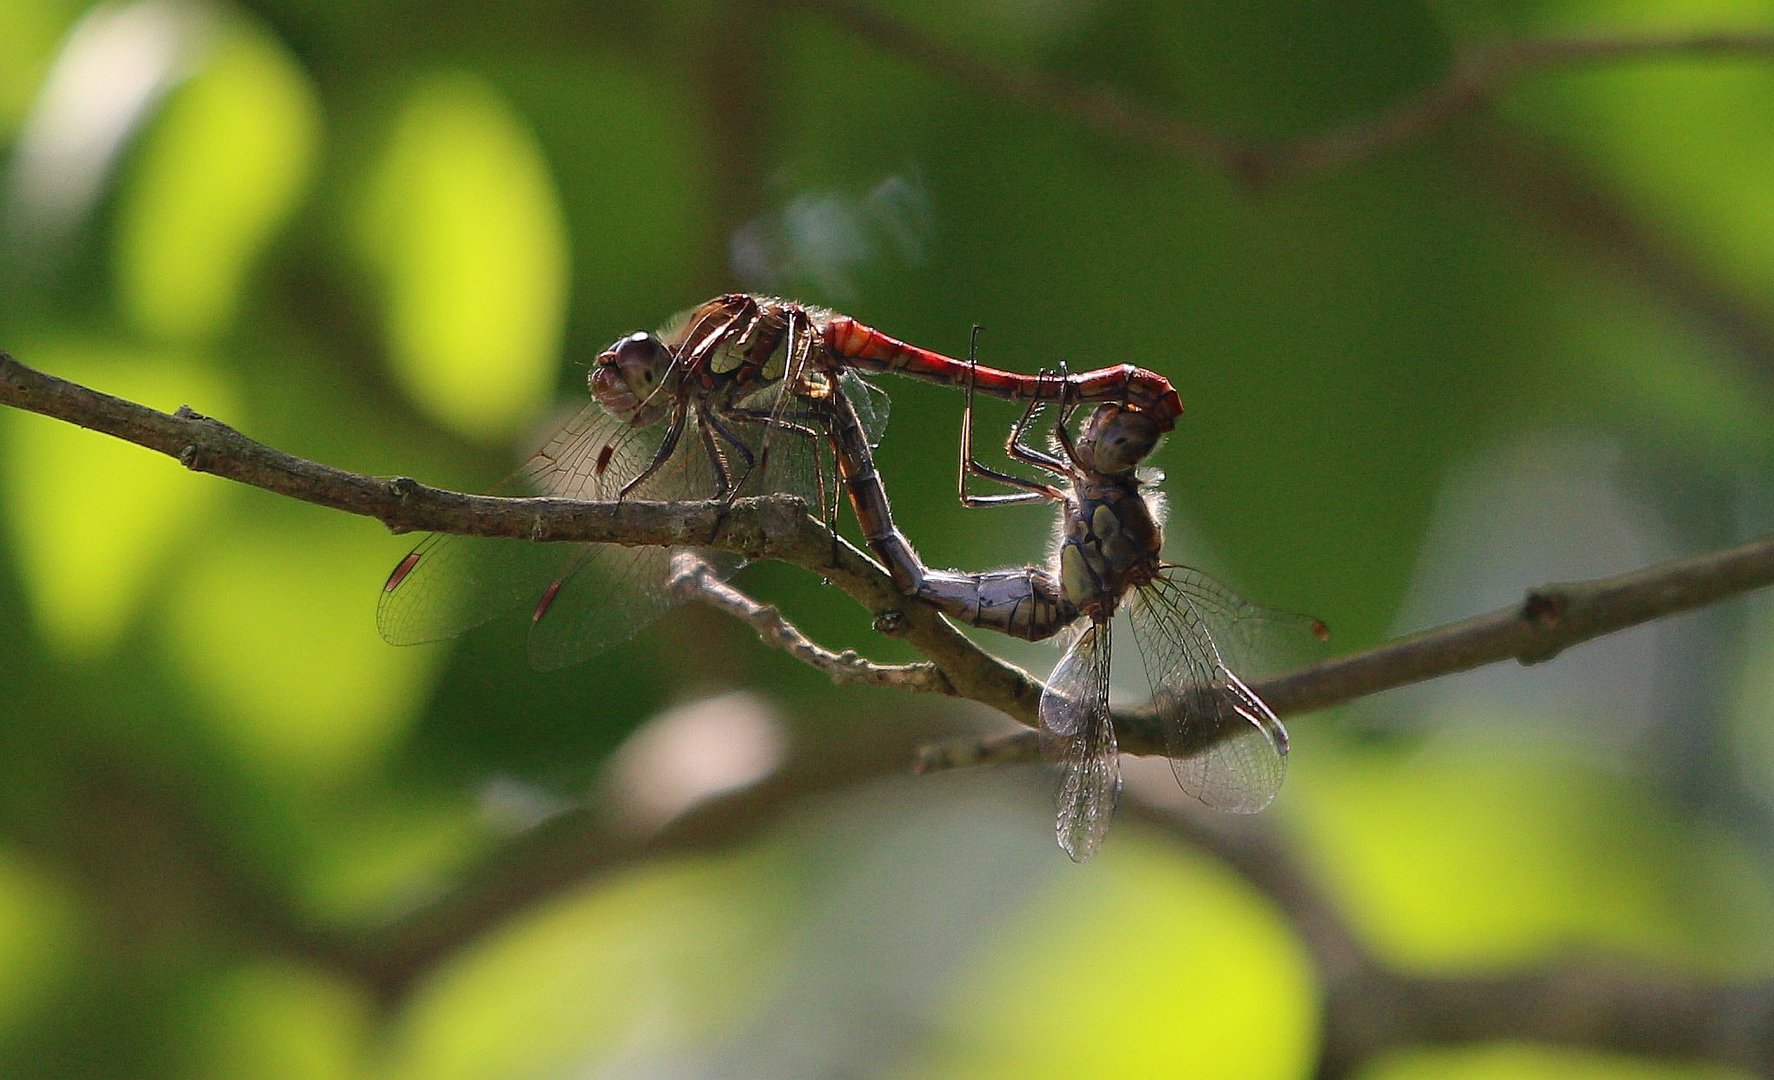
[389, 236]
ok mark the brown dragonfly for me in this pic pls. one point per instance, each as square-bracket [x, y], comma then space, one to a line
[1225, 745]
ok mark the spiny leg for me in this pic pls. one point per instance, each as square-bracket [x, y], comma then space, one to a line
[727, 490]
[1020, 450]
[710, 421]
[796, 349]
[1031, 490]
[666, 445]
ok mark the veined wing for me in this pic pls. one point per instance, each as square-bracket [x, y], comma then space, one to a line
[791, 448]
[1075, 707]
[1252, 639]
[1225, 745]
[580, 597]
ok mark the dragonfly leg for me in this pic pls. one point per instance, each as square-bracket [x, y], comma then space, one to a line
[832, 504]
[1016, 446]
[727, 488]
[970, 465]
[711, 426]
[667, 444]
[808, 424]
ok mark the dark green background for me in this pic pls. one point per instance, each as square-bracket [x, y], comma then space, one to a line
[1535, 345]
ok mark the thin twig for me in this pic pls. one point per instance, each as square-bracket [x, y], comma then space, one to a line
[999, 748]
[692, 578]
[1479, 73]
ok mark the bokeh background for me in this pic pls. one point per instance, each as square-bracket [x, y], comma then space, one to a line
[242, 837]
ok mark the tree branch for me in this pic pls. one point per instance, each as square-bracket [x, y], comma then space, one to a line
[692, 578]
[770, 527]
[1551, 618]
[1480, 72]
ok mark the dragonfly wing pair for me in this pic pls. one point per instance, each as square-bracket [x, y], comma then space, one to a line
[1075, 707]
[1226, 747]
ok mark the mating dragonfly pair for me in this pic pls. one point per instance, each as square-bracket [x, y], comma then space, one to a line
[745, 395]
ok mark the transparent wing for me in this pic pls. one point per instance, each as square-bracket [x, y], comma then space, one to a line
[584, 598]
[786, 432]
[871, 403]
[1075, 706]
[1253, 640]
[580, 597]
[1225, 746]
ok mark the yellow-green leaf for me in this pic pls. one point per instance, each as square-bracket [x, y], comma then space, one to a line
[464, 230]
[218, 173]
[274, 630]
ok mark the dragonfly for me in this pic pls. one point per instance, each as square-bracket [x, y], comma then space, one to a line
[727, 398]
[1226, 746]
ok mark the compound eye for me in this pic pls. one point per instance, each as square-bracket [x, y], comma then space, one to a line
[638, 348]
[641, 358]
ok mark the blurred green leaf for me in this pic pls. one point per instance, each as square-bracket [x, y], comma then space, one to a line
[650, 960]
[28, 30]
[283, 647]
[269, 1020]
[38, 927]
[462, 224]
[1689, 142]
[1473, 853]
[1159, 948]
[219, 172]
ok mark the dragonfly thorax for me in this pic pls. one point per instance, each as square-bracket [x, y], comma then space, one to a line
[1110, 543]
[635, 379]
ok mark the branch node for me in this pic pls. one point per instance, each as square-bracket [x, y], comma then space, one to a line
[1544, 612]
[401, 487]
[186, 412]
[1545, 608]
[192, 457]
[890, 622]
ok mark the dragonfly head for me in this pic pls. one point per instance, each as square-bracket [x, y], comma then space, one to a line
[1116, 439]
[629, 379]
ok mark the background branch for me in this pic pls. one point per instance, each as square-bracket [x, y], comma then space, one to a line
[1479, 73]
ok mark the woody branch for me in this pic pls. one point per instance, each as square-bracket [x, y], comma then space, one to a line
[1550, 619]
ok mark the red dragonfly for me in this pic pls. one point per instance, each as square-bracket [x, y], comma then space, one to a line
[742, 377]
[1226, 747]
[748, 379]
